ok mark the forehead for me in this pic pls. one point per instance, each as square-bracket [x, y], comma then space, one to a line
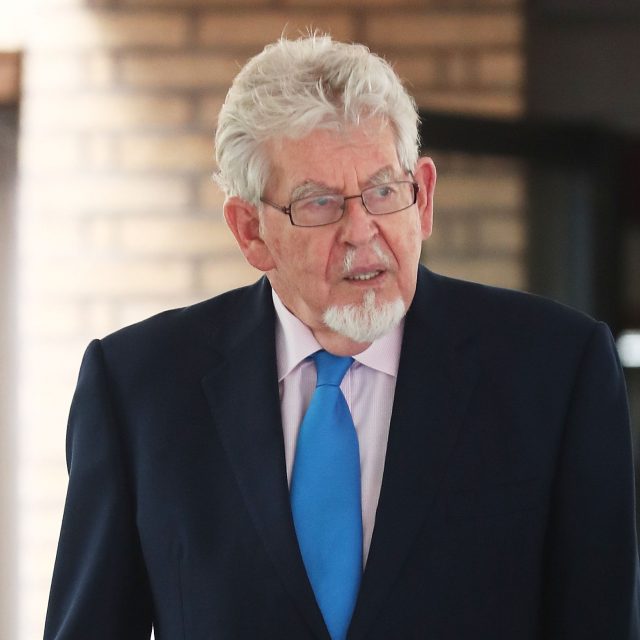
[336, 159]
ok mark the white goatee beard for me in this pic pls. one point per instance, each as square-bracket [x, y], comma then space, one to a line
[366, 321]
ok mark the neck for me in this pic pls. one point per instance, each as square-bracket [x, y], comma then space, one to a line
[337, 344]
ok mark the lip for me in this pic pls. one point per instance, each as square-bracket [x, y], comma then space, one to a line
[365, 276]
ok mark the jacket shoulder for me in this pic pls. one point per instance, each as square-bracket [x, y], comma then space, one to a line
[188, 333]
[509, 310]
[211, 312]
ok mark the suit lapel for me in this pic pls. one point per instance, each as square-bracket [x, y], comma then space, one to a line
[242, 391]
[436, 376]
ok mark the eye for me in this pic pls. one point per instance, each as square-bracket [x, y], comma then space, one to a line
[320, 202]
[383, 191]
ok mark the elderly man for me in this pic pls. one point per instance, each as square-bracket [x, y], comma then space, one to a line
[353, 447]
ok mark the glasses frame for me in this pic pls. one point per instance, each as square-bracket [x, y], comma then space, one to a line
[287, 210]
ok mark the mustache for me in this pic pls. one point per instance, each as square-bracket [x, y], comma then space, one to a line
[351, 254]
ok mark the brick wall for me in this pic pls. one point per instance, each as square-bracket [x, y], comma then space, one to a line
[118, 217]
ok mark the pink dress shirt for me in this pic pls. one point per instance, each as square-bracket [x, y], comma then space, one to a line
[368, 387]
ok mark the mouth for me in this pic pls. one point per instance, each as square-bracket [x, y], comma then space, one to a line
[365, 276]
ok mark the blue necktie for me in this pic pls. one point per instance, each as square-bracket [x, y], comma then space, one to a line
[325, 496]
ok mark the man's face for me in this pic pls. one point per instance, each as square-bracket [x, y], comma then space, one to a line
[307, 266]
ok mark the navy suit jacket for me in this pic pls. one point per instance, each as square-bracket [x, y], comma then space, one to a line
[506, 510]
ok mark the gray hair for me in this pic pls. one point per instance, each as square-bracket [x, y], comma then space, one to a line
[292, 88]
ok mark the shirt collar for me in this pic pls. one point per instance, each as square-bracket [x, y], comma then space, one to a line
[295, 342]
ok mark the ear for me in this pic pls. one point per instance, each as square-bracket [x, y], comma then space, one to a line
[425, 176]
[243, 219]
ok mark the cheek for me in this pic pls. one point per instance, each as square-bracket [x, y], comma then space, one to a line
[415, 237]
[301, 259]
[284, 250]
[309, 257]
[313, 254]
[406, 244]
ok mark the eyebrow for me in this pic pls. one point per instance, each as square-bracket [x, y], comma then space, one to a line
[313, 187]
[309, 188]
[386, 174]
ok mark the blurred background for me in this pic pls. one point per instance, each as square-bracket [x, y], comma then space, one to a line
[531, 111]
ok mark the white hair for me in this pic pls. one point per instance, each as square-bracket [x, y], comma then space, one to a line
[364, 322]
[292, 88]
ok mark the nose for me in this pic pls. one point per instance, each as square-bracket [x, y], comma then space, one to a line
[358, 225]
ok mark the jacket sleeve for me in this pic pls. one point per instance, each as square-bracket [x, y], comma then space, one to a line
[592, 562]
[99, 589]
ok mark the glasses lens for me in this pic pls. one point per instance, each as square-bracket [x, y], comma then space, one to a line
[315, 211]
[389, 197]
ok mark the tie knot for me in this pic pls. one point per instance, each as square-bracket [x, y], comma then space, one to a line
[330, 369]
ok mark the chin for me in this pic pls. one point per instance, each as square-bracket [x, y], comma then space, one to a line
[365, 321]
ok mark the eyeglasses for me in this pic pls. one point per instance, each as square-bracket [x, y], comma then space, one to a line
[327, 208]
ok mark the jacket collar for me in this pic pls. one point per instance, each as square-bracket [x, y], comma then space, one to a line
[242, 390]
[437, 373]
